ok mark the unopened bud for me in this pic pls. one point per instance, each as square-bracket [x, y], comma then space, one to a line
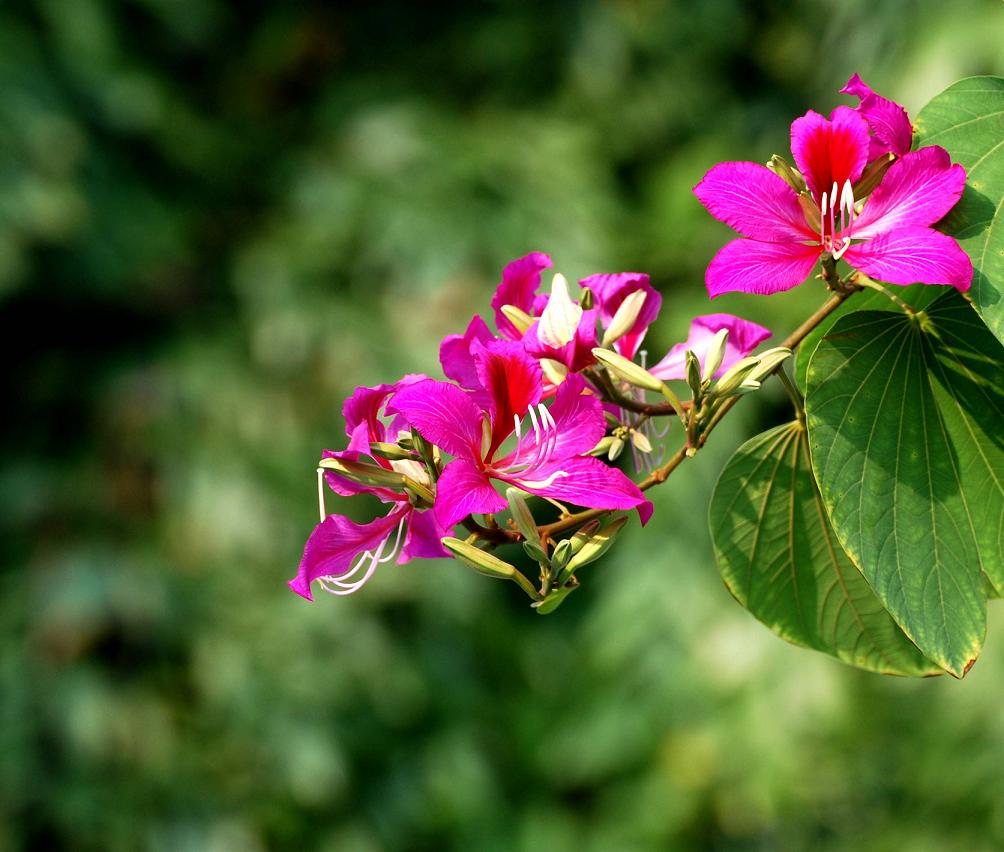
[603, 447]
[625, 317]
[586, 299]
[768, 362]
[418, 494]
[554, 371]
[553, 600]
[627, 370]
[486, 435]
[788, 173]
[522, 516]
[734, 376]
[693, 373]
[364, 474]
[562, 553]
[586, 532]
[872, 175]
[478, 559]
[521, 319]
[535, 552]
[616, 448]
[391, 452]
[594, 547]
[810, 209]
[716, 353]
[640, 441]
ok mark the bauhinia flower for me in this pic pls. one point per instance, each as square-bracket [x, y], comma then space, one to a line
[341, 555]
[743, 337]
[550, 444]
[886, 234]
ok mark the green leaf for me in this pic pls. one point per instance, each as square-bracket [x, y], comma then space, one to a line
[778, 556]
[918, 296]
[967, 119]
[905, 417]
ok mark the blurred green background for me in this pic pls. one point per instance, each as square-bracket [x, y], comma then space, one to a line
[215, 220]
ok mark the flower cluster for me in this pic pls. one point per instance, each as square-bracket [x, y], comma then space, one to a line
[522, 409]
[859, 194]
[544, 403]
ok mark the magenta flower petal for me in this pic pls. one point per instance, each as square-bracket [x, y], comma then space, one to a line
[513, 381]
[911, 256]
[578, 426]
[610, 290]
[443, 414]
[750, 266]
[336, 542]
[889, 122]
[464, 489]
[584, 481]
[744, 337]
[423, 540]
[456, 356]
[916, 191]
[520, 282]
[830, 151]
[754, 201]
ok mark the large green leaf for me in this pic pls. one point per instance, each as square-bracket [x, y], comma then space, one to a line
[905, 419]
[916, 295]
[967, 119]
[779, 558]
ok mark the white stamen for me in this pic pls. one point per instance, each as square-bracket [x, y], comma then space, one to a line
[519, 433]
[341, 585]
[550, 431]
[536, 425]
[320, 494]
[542, 483]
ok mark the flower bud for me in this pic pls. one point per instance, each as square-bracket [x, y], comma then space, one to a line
[593, 548]
[784, 170]
[625, 317]
[872, 175]
[364, 474]
[640, 441]
[478, 559]
[535, 552]
[522, 516]
[693, 373]
[768, 362]
[586, 299]
[562, 553]
[628, 370]
[603, 447]
[716, 353]
[521, 319]
[734, 376]
[554, 371]
[391, 452]
[616, 448]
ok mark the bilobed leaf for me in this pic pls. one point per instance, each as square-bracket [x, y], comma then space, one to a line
[905, 420]
[780, 559]
[918, 296]
[967, 119]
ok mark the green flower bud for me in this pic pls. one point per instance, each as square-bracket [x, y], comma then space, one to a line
[364, 474]
[391, 452]
[594, 547]
[693, 373]
[716, 352]
[628, 370]
[553, 600]
[624, 318]
[522, 516]
[480, 560]
[521, 319]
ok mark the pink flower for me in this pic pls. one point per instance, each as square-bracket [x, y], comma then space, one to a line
[784, 234]
[342, 554]
[744, 337]
[550, 443]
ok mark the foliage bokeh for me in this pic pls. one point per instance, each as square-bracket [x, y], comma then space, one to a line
[214, 222]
